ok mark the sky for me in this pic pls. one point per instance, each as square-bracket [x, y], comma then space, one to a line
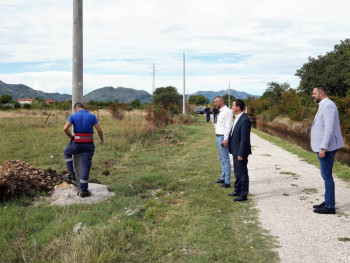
[244, 44]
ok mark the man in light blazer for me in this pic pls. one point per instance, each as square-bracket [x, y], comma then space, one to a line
[326, 139]
[239, 146]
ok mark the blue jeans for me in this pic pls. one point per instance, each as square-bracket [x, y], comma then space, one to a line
[208, 117]
[225, 160]
[215, 117]
[326, 165]
[87, 151]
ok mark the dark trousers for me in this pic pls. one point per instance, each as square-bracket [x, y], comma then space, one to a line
[87, 151]
[208, 117]
[241, 175]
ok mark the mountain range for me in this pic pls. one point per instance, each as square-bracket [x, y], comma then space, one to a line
[212, 94]
[19, 91]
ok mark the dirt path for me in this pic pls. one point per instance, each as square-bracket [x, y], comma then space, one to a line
[285, 188]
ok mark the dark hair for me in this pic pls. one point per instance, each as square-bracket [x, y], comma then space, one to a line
[78, 105]
[240, 104]
[321, 88]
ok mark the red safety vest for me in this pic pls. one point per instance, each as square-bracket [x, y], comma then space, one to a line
[83, 137]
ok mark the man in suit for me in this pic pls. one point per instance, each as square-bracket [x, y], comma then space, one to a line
[239, 146]
[326, 139]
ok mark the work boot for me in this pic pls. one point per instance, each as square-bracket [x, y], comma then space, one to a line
[83, 194]
[70, 178]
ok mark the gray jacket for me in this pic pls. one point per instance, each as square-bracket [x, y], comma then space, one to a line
[325, 130]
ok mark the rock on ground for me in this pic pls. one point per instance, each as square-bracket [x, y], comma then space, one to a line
[68, 196]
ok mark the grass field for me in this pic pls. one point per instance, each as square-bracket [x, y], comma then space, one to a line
[162, 178]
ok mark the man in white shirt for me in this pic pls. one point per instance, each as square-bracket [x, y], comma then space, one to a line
[222, 130]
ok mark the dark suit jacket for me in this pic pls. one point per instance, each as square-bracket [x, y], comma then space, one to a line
[239, 139]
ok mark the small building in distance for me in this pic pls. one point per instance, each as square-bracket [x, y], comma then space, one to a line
[30, 101]
[25, 101]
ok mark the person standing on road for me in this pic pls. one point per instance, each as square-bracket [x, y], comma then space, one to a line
[81, 143]
[222, 131]
[326, 139]
[239, 146]
[207, 113]
[215, 114]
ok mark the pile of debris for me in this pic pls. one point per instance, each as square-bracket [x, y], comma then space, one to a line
[18, 178]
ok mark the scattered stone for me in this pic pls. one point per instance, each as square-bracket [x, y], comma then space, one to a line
[130, 212]
[78, 227]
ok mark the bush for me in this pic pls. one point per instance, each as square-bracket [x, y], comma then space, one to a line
[158, 116]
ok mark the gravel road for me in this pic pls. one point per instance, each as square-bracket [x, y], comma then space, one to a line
[285, 188]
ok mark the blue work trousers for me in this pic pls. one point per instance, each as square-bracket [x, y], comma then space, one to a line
[87, 151]
[215, 117]
[326, 165]
[225, 160]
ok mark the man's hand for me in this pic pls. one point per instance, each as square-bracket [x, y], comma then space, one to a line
[322, 153]
[225, 143]
[102, 141]
[239, 158]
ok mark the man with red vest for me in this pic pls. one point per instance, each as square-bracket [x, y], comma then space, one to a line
[81, 143]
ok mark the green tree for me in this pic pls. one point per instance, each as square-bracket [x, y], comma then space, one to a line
[5, 99]
[331, 70]
[169, 98]
[274, 92]
[225, 97]
[198, 100]
[135, 104]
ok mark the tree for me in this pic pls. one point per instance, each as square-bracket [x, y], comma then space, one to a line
[135, 104]
[274, 92]
[331, 70]
[198, 100]
[5, 99]
[169, 98]
[225, 97]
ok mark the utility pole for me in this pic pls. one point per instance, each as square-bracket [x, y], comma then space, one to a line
[154, 79]
[77, 71]
[229, 94]
[184, 91]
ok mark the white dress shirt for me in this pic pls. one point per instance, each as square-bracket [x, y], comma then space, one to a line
[224, 122]
[236, 120]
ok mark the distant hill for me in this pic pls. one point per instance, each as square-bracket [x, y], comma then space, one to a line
[212, 94]
[18, 91]
[121, 94]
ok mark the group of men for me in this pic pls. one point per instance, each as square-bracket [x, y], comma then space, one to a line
[231, 138]
[234, 138]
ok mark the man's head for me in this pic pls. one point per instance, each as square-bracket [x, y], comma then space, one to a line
[78, 106]
[219, 102]
[319, 93]
[237, 106]
[207, 106]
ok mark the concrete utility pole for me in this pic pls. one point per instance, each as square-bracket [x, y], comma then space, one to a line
[184, 91]
[77, 74]
[229, 94]
[154, 79]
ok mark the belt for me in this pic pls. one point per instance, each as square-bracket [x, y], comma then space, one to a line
[218, 135]
[83, 137]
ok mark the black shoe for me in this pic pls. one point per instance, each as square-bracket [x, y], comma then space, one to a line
[69, 178]
[225, 185]
[240, 199]
[234, 194]
[325, 210]
[320, 205]
[85, 193]
[219, 181]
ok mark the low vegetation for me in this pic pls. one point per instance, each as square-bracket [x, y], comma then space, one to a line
[166, 207]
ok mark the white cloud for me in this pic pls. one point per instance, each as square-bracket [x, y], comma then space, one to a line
[123, 38]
